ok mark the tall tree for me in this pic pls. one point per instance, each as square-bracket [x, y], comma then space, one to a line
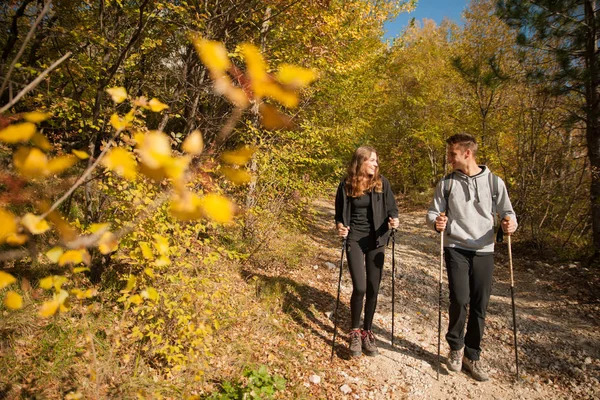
[569, 29]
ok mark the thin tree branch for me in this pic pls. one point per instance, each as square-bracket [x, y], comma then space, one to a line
[34, 83]
[22, 49]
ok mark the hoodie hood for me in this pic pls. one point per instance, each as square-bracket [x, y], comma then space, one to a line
[472, 185]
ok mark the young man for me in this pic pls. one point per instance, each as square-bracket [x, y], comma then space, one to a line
[466, 196]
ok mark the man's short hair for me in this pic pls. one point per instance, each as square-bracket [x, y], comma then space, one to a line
[464, 141]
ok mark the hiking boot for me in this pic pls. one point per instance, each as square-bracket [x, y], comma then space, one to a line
[454, 361]
[476, 369]
[355, 343]
[368, 343]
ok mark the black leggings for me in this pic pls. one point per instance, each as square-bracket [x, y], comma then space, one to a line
[365, 264]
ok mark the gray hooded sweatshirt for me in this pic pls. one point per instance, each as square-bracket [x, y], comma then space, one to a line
[470, 220]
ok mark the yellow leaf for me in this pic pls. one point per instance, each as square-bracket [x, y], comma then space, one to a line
[161, 244]
[236, 95]
[149, 272]
[272, 119]
[237, 175]
[54, 254]
[130, 284]
[16, 133]
[13, 300]
[59, 164]
[36, 117]
[72, 257]
[238, 157]
[108, 243]
[146, 251]
[193, 143]
[82, 155]
[177, 167]
[49, 308]
[58, 281]
[257, 68]
[154, 149]
[77, 270]
[8, 225]
[16, 239]
[34, 224]
[118, 122]
[186, 206]
[156, 105]
[40, 141]
[61, 295]
[275, 91]
[213, 54]
[162, 261]
[217, 208]
[122, 162]
[296, 77]
[30, 162]
[118, 94]
[47, 282]
[99, 226]
[6, 279]
[150, 293]
[136, 299]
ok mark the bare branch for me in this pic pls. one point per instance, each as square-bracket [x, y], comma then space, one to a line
[22, 49]
[34, 83]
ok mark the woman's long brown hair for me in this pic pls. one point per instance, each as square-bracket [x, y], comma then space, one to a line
[357, 181]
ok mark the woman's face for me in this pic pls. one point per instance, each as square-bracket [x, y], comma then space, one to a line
[370, 164]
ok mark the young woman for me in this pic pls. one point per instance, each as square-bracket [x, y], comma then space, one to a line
[365, 211]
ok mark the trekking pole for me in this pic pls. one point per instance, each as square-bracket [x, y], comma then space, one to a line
[337, 302]
[440, 299]
[393, 279]
[512, 295]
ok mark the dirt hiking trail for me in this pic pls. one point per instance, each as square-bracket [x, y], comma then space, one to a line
[557, 317]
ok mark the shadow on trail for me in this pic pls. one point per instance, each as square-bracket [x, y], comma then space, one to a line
[308, 307]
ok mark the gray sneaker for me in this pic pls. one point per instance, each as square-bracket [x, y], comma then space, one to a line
[454, 361]
[355, 343]
[368, 343]
[476, 368]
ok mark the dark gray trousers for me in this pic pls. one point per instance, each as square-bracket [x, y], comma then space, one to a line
[470, 284]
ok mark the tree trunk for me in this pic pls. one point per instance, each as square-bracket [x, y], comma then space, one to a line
[592, 85]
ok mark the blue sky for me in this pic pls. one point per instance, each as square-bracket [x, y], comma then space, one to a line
[430, 9]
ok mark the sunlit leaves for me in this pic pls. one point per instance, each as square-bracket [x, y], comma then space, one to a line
[121, 161]
[154, 149]
[146, 251]
[36, 117]
[240, 156]
[108, 243]
[295, 77]
[74, 257]
[8, 225]
[156, 105]
[213, 54]
[82, 155]
[6, 279]
[54, 254]
[33, 163]
[193, 143]
[237, 175]
[34, 224]
[150, 293]
[61, 163]
[186, 206]
[217, 208]
[118, 94]
[17, 133]
[13, 300]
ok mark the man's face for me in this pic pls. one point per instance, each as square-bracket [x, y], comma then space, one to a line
[457, 157]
